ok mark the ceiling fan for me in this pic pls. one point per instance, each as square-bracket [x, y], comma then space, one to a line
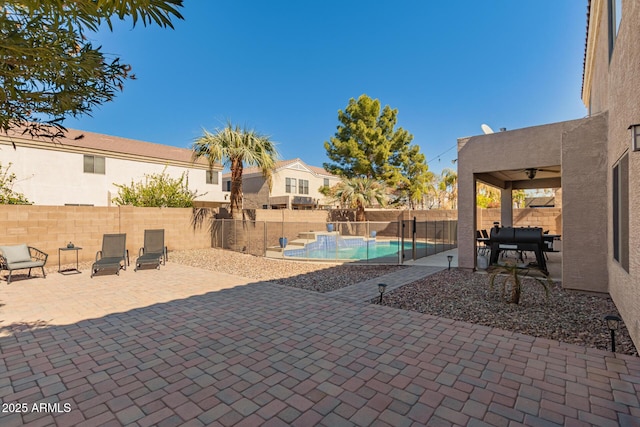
[531, 172]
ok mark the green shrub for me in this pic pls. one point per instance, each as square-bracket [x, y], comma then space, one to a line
[157, 190]
[7, 195]
[513, 274]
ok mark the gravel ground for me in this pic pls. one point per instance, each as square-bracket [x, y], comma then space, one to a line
[319, 277]
[568, 316]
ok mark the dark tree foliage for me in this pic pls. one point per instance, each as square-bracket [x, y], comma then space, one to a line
[368, 144]
[48, 69]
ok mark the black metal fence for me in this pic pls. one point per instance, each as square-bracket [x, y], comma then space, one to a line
[361, 242]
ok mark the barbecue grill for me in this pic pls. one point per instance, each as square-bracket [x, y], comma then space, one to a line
[518, 239]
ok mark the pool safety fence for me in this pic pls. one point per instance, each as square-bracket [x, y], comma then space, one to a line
[362, 242]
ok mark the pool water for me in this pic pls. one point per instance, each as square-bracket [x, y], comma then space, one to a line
[369, 250]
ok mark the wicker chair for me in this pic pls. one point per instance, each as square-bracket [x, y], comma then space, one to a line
[19, 257]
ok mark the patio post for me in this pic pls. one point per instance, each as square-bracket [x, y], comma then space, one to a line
[506, 205]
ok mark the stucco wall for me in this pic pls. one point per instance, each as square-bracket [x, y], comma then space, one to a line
[257, 193]
[50, 227]
[584, 205]
[536, 146]
[624, 110]
[56, 178]
[599, 100]
[315, 182]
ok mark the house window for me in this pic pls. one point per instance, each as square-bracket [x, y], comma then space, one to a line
[326, 182]
[615, 16]
[227, 186]
[94, 164]
[290, 185]
[303, 186]
[621, 212]
[212, 177]
[618, 16]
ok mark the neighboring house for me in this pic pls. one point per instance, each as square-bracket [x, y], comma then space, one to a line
[82, 167]
[593, 160]
[295, 185]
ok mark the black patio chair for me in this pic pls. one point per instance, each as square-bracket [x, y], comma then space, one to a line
[113, 257]
[154, 251]
[482, 243]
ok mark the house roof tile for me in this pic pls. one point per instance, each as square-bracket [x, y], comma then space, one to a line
[90, 141]
[282, 164]
[586, 44]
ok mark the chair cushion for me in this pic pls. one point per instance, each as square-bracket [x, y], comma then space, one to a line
[149, 259]
[25, 264]
[16, 253]
[109, 261]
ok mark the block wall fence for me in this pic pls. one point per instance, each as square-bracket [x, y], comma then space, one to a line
[51, 227]
[545, 218]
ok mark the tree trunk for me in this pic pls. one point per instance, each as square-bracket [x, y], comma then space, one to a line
[360, 216]
[516, 290]
[236, 187]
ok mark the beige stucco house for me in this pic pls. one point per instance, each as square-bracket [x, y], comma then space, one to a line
[295, 185]
[82, 167]
[592, 159]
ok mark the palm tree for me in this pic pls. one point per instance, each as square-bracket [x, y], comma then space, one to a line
[449, 186]
[360, 193]
[235, 147]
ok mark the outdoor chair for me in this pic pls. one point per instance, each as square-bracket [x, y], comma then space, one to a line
[154, 251]
[482, 243]
[18, 257]
[113, 257]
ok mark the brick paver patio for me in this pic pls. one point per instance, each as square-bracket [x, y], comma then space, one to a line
[184, 346]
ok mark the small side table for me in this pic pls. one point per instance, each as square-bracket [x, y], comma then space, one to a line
[69, 270]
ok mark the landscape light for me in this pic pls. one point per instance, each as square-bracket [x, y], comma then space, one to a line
[613, 323]
[381, 288]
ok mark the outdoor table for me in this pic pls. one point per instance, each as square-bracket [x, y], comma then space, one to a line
[69, 270]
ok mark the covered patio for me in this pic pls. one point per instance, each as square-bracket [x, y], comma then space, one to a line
[568, 155]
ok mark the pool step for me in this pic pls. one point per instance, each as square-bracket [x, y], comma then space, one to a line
[297, 242]
[309, 235]
[304, 238]
[313, 235]
[294, 244]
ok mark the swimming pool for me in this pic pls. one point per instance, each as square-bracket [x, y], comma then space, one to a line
[351, 249]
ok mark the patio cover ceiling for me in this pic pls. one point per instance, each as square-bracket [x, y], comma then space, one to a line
[545, 177]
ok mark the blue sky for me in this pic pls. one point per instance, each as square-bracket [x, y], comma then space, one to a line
[285, 68]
